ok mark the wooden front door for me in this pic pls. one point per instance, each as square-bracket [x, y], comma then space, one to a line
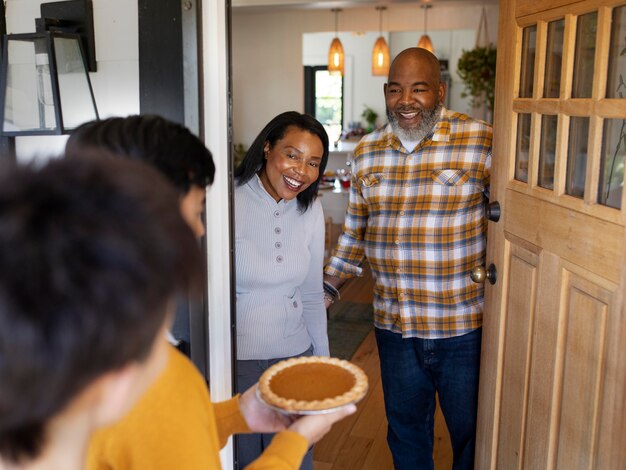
[553, 376]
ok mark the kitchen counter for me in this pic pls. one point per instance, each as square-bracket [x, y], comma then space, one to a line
[334, 202]
[344, 146]
[334, 198]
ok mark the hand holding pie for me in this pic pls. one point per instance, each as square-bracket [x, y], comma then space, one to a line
[258, 416]
[314, 427]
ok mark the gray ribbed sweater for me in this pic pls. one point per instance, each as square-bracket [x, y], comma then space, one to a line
[279, 255]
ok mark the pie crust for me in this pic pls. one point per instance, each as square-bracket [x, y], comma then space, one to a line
[312, 383]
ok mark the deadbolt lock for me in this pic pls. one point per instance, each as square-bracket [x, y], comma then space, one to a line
[493, 211]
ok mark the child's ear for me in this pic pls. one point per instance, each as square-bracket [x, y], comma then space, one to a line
[116, 390]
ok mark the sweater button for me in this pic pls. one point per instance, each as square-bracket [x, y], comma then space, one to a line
[278, 244]
[279, 259]
[276, 213]
[277, 230]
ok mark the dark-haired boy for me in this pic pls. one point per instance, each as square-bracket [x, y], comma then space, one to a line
[173, 150]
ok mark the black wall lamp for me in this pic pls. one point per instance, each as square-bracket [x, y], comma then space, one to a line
[44, 78]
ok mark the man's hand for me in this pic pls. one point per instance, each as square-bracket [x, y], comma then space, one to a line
[261, 418]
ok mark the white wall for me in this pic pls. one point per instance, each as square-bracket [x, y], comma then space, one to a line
[115, 84]
[359, 83]
[267, 53]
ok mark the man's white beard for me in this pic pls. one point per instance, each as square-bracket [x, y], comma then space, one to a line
[428, 119]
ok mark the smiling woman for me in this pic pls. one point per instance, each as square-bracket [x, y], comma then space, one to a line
[279, 251]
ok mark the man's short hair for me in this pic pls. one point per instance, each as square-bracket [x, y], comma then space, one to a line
[168, 146]
[92, 250]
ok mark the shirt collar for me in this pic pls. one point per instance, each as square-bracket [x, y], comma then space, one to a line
[441, 131]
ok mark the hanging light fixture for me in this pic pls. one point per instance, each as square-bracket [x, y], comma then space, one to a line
[335, 53]
[425, 42]
[380, 53]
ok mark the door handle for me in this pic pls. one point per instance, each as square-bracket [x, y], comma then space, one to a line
[493, 211]
[479, 274]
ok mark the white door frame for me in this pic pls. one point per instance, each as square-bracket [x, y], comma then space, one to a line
[215, 80]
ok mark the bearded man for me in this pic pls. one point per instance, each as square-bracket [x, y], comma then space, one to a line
[416, 212]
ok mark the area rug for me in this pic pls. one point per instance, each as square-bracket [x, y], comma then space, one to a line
[348, 325]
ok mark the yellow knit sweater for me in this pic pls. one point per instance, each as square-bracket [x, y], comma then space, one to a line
[175, 426]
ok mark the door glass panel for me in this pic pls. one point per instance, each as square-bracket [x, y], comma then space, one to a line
[554, 57]
[577, 156]
[612, 164]
[584, 55]
[615, 87]
[529, 47]
[522, 148]
[547, 151]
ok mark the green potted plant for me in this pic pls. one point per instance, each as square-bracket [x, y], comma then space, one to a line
[239, 151]
[370, 117]
[477, 69]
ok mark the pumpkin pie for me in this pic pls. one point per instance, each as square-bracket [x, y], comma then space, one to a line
[312, 384]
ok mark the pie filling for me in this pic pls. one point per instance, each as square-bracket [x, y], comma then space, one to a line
[314, 381]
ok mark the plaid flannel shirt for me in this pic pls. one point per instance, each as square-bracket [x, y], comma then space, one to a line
[418, 217]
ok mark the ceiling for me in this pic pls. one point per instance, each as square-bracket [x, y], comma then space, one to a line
[327, 4]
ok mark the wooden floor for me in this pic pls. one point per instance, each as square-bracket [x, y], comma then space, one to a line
[359, 441]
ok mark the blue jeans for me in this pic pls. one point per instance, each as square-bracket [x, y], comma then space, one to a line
[412, 371]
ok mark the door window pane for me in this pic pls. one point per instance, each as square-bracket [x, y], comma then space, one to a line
[529, 47]
[612, 164]
[615, 87]
[577, 156]
[522, 147]
[554, 57]
[547, 151]
[584, 55]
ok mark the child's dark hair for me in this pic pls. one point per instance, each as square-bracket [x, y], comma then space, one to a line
[92, 250]
[273, 132]
[170, 147]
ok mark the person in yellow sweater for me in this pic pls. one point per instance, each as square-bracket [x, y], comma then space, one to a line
[91, 251]
[175, 425]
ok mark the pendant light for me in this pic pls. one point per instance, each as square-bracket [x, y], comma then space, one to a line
[425, 42]
[335, 53]
[380, 53]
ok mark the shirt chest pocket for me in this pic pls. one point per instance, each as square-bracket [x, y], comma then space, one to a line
[453, 189]
[449, 177]
[374, 189]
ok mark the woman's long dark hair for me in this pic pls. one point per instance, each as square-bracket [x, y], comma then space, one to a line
[254, 160]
